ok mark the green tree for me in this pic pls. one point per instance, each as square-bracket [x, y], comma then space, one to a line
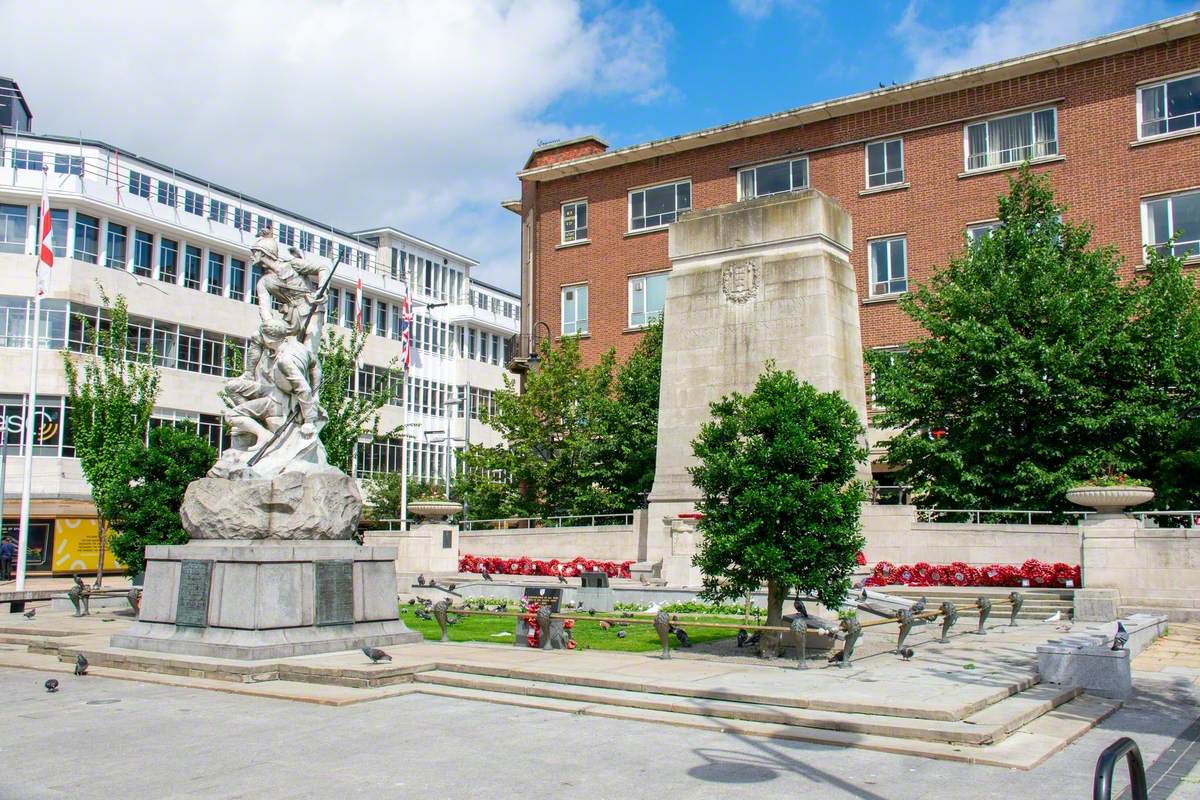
[628, 447]
[111, 397]
[779, 499]
[351, 402]
[145, 508]
[1038, 367]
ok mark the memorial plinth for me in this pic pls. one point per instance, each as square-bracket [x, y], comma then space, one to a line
[751, 282]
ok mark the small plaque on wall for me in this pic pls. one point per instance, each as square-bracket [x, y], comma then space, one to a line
[191, 606]
[335, 592]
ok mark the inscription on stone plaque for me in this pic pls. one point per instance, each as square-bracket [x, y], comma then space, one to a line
[191, 607]
[335, 592]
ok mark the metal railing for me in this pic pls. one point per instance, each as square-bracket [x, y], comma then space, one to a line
[1175, 519]
[1102, 782]
[578, 520]
[995, 516]
[884, 495]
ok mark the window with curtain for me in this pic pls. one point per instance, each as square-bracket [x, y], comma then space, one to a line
[1011, 139]
[1170, 106]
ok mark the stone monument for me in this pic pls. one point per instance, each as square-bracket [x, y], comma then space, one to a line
[271, 569]
[758, 280]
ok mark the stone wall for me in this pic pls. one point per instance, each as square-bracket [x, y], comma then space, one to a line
[1155, 569]
[600, 542]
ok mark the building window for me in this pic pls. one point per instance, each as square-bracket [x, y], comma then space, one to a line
[574, 221]
[218, 211]
[241, 219]
[87, 238]
[306, 241]
[143, 253]
[116, 238]
[575, 310]
[287, 235]
[1011, 139]
[14, 222]
[139, 184]
[658, 205]
[768, 179]
[237, 279]
[326, 247]
[264, 225]
[885, 163]
[68, 165]
[191, 267]
[168, 194]
[215, 284]
[381, 318]
[1177, 216]
[647, 296]
[168, 260]
[193, 202]
[1170, 106]
[889, 266]
[983, 230]
[349, 316]
[27, 159]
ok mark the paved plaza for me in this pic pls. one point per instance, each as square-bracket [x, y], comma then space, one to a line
[119, 738]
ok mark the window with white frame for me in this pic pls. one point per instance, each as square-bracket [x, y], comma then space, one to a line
[647, 297]
[885, 163]
[306, 241]
[27, 159]
[575, 310]
[574, 221]
[14, 222]
[139, 184]
[1010, 139]
[193, 202]
[218, 211]
[241, 219]
[168, 193]
[1178, 217]
[1170, 106]
[68, 165]
[982, 230]
[657, 206]
[889, 266]
[780, 177]
[287, 234]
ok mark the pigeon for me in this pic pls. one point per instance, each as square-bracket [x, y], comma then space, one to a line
[81, 665]
[1121, 637]
[424, 614]
[487, 577]
[628, 614]
[799, 606]
[742, 637]
[31, 613]
[433, 583]
[906, 653]
[1055, 617]
[52, 686]
[421, 579]
[682, 636]
[561, 579]
[837, 657]
[452, 587]
[753, 640]
[919, 606]
[862, 598]
[620, 634]
[605, 625]
[591, 612]
[375, 654]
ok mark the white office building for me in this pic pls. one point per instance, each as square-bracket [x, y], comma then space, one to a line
[177, 247]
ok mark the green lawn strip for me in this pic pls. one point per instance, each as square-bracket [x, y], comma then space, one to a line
[587, 634]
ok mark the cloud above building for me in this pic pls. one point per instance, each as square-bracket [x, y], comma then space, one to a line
[354, 112]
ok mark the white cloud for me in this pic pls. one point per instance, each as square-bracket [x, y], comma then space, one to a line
[1018, 27]
[358, 113]
[758, 10]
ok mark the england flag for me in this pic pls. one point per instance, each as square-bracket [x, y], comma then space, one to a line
[406, 330]
[46, 246]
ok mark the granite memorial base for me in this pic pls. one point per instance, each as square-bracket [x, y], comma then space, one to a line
[251, 600]
[1088, 661]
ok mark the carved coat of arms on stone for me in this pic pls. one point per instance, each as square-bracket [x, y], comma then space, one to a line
[739, 281]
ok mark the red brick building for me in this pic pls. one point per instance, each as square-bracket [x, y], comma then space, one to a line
[1111, 120]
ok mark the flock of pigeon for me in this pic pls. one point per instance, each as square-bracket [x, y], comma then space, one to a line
[81, 667]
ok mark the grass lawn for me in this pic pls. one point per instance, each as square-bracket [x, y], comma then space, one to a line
[587, 634]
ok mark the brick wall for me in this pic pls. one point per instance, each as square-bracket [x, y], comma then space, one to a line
[1101, 178]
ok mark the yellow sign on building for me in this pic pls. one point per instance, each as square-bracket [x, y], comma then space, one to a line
[77, 546]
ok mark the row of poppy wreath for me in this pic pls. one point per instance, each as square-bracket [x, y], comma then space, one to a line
[1032, 573]
[525, 565]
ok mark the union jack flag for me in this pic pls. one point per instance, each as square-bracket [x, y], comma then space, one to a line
[406, 324]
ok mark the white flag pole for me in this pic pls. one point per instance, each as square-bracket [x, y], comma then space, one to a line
[31, 406]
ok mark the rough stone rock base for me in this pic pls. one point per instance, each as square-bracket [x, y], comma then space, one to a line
[263, 601]
[294, 505]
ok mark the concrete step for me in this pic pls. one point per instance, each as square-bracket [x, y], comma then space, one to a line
[986, 727]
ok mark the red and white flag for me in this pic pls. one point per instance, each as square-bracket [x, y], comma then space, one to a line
[358, 306]
[406, 325]
[45, 246]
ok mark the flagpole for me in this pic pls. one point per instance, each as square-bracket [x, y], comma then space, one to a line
[31, 407]
[404, 450]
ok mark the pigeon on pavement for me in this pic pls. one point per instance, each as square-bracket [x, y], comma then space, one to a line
[52, 686]
[906, 653]
[81, 665]
[375, 654]
[682, 636]
[1121, 638]
[421, 579]
[31, 613]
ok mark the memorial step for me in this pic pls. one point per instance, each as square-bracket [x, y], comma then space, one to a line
[988, 726]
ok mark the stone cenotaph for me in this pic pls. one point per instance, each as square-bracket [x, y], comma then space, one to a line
[271, 570]
[751, 282]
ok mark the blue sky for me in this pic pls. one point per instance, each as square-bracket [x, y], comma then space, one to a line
[418, 114]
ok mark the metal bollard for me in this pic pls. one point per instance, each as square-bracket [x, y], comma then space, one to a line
[662, 624]
[949, 617]
[985, 608]
[1017, 601]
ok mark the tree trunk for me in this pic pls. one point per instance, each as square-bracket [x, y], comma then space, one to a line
[102, 534]
[770, 641]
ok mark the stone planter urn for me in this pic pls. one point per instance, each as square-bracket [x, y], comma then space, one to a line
[1110, 499]
[434, 510]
